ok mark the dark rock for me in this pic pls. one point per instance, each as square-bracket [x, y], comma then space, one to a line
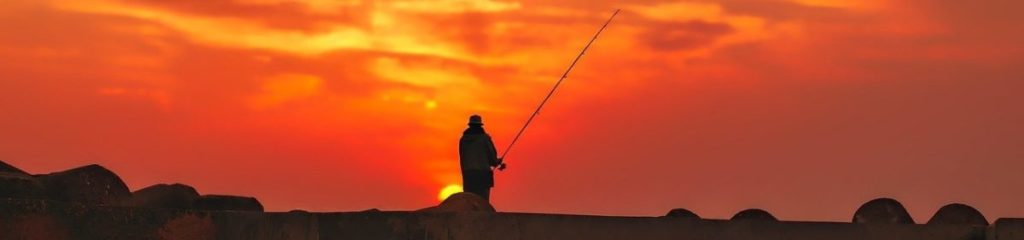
[957, 213]
[188, 226]
[882, 211]
[681, 213]
[291, 225]
[754, 214]
[32, 226]
[227, 203]
[1005, 229]
[19, 185]
[174, 196]
[15, 183]
[7, 168]
[462, 202]
[91, 184]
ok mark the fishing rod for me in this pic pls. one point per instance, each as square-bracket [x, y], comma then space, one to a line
[501, 165]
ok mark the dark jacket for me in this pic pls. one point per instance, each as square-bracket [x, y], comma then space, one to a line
[476, 150]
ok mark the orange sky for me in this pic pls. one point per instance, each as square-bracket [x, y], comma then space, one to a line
[806, 108]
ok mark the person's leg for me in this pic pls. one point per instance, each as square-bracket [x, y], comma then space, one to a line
[487, 179]
[486, 193]
[471, 183]
[465, 180]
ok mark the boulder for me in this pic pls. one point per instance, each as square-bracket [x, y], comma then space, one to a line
[681, 213]
[227, 203]
[753, 214]
[960, 214]
[19, 185]
[15, 183]
[882, 211]
[463, 202]
[7, 168]
[91, 184]
[173, 196]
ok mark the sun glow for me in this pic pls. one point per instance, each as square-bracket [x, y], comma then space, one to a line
[448, 191]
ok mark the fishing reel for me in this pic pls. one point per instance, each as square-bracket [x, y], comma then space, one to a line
[501, 165]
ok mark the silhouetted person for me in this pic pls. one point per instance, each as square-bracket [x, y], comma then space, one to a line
[477, 157]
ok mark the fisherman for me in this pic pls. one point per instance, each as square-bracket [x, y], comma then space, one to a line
[478, 158]
[477, 155]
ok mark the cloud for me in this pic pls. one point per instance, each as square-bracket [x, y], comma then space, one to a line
[781, 11]
[284, 88]
[683, 36]
[226, 32]
[453, 6]
[306, 16]
[157, 96]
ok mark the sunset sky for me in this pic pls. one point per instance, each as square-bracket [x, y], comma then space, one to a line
[805, 108]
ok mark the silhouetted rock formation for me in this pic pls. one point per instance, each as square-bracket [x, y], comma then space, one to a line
[957, 213]
[18, 185]
[753, 214]
[15, 183]
[7, 168]
[681, 213]
[96, 185]
[91, 184]
[175, 196]
[84, 211]
[882, 211]
[91, 202]
[462, 202]
[227, 203]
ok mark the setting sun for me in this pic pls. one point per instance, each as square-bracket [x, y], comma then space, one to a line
[448, 191]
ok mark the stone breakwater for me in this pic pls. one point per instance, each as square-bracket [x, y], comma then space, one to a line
[92, 202]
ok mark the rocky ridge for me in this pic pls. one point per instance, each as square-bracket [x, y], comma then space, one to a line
[92, 202]
[95, 185]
